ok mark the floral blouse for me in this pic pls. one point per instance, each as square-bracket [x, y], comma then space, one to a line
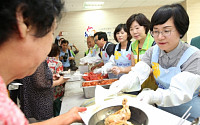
[10, 114]
[56, 67]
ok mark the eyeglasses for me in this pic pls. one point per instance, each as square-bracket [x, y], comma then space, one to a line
[164, 33]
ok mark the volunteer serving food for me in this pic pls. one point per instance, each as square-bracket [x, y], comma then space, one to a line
[123, 56]
[174, 64]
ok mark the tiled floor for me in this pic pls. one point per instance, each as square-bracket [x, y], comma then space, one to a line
[74, 96]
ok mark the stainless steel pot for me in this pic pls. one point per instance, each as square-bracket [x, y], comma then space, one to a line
[138, 117]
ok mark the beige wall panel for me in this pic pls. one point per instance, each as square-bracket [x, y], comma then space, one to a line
[193, 9]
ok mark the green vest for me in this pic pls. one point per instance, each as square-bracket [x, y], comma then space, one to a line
[95, 47]
[86, 52]
[147, 44]
[72, 52]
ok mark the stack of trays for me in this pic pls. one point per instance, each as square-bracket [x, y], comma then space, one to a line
[71, 75]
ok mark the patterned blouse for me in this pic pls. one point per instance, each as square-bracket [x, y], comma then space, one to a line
[10, 114]
[36, 93]
[56, 67]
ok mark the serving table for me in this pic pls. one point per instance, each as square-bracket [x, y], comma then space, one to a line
[155, 115]
[74, 96]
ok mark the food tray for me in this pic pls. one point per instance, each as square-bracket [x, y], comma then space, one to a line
[89, 91]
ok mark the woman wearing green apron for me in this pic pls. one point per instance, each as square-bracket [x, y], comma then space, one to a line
[138, 26]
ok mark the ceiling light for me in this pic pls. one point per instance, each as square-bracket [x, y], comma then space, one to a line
[93, 5]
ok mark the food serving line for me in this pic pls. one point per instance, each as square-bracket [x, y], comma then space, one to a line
[75, 96]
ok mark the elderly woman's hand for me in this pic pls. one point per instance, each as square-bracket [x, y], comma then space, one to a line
[75, 115]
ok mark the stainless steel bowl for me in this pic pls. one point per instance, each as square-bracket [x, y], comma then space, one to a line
[138, 117]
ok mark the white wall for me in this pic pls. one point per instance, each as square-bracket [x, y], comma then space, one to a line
[193, 9]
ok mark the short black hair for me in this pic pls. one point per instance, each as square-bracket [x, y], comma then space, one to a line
[119, 28]
[55, 50]
[178, 14]
[64, 41]
[141, 20]
[40, 14]
[61, 38]
[101, 35]
[96, 34]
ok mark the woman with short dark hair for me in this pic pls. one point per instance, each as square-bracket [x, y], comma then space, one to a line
[123, 56]
[138, 27]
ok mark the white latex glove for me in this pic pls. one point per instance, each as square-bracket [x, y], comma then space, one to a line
[127, 83]
[97, 70]
[133, 80]
[96, 59]
[142, 71]
[83, 60]
[116, 70]
[149, 96]
[104, 70]
[90, 60]
[181, 89]
[107, 67]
